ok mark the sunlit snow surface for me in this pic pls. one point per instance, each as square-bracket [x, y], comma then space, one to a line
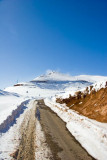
[50, 85]
[8, 102]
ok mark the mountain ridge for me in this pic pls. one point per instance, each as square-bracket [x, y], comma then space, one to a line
[57, 76]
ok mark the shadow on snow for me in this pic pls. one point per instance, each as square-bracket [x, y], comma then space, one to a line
[11, 119]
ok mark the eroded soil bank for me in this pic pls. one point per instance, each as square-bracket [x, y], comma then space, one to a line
[93, 105]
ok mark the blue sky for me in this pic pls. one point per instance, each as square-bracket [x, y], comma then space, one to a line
[36, 35]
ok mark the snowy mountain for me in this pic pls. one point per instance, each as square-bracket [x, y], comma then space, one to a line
[57, 76]
[53, 83]
[54, 76]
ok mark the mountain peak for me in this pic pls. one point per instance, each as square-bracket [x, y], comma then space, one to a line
[53, 76]
[50, 72]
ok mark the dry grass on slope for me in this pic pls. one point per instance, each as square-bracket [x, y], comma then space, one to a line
[93, 105]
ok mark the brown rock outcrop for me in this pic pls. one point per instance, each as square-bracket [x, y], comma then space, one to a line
[93, 105]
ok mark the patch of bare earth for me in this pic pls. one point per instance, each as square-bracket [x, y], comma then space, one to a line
[93, 105]
[26, 149]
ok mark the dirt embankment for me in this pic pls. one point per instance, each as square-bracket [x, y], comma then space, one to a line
[93, 105]
[26, 149]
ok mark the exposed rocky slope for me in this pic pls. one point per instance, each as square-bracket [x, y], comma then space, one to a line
[90, 103]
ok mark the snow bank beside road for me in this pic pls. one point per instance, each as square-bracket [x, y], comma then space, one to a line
[8, 103]
[91, 134]
[9, 141]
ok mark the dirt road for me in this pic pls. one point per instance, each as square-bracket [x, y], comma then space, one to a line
[62, 144]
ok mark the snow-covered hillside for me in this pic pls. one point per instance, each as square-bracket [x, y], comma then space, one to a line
[53, 83]
[57, 76]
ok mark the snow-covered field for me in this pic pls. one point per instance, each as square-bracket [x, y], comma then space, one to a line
[52, 84]
[8, 103]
